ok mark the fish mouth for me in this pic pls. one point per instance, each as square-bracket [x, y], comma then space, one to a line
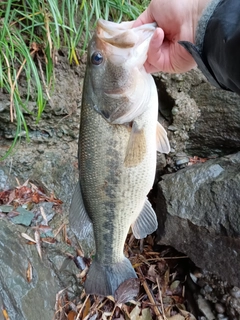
[123, 37]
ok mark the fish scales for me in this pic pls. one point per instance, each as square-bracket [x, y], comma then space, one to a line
[118, 139]
[117, 193]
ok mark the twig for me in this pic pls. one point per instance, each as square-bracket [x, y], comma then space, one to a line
[161, 300]
[80, 311]
[43, 79]
[59, 229]
[11, 85]
[166, 258]
[150, 295]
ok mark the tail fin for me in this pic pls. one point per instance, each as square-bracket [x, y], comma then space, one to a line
[104, 280]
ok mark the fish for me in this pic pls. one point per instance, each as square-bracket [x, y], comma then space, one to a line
[118, 141]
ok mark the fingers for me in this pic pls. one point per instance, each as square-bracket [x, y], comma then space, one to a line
[156, 42]
[155, 59]
[144, 18]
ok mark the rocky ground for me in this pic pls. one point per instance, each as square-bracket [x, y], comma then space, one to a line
[196, 195]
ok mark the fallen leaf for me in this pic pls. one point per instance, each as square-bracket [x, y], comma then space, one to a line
[152, 274]
[29, 272]
[146, 314]
[177, 317]
[86, 308]
[27, 237]
[48, 240]
[35, 197]
[127, 291]
[44, 215]
[187, 315]
[42, 228]
[196, 159]
[72, 315]
[38, 243]
[5, 314]
[135, 313]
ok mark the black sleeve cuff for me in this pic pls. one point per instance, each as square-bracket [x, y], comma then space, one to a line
[218, 57]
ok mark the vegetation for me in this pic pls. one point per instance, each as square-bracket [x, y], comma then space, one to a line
[31, 31]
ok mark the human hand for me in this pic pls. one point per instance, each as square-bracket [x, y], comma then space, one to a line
[177, 20]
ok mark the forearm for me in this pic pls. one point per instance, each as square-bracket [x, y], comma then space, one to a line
[217, 44]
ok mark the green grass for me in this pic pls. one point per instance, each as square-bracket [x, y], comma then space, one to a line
[31, 31]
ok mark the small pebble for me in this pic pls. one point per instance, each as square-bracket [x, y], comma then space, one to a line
[182, 161]
[222, 317]
[219, 308]
[208, 289]
[174, 111]
[235, 292]
[172, 128]
[193, 277]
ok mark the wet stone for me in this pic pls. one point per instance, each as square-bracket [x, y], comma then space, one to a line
[219, 308]
[182, 161]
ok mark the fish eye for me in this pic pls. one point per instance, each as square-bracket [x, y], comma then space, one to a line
[97, 58]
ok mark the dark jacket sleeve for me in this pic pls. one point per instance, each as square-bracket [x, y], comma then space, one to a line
[217, 48]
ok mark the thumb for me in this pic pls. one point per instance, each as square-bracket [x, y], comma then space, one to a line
[155, 58]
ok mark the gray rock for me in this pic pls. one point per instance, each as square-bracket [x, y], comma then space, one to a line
[36, 299]
[217, 129]
[206, 120]
[198, 212]
[181, 161]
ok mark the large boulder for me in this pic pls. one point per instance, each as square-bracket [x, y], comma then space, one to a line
[202, 120]
[198, 210]
[32, 298]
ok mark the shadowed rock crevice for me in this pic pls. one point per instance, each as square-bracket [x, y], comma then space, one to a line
[166, 102]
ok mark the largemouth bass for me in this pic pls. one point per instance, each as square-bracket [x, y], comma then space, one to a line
[119, 136]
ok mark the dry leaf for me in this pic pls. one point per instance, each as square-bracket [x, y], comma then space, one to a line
[38, 243]
[48, 240]
[5, 314]
[42, 228]
[44, 215]
[127, 291]
[27, 237]
[35, 197]
[87, 308]
[135, 313]
[196, 159]
[152, 274]
[29, 272]
[177, 317]
[71, 315]
[187, 315]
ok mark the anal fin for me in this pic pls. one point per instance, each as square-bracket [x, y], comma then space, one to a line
[146, 222]
[79, 221]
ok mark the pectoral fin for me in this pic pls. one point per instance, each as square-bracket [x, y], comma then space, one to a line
[146, 222]
[163, 145]
[136, 148]
[79, 221]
